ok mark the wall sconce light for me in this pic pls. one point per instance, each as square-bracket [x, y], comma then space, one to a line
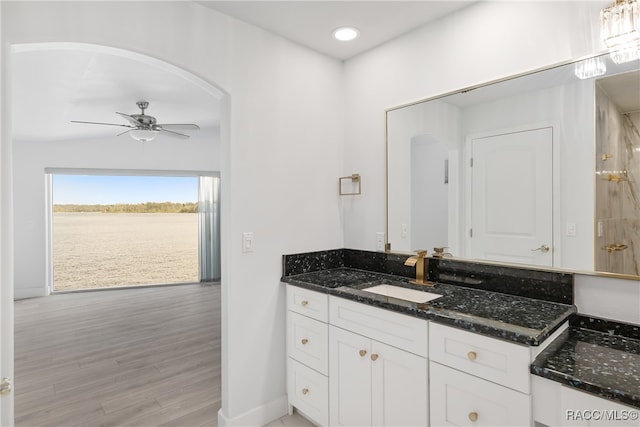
[620, 30]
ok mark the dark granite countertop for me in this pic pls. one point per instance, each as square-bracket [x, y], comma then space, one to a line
[597, 356]
[513, 318]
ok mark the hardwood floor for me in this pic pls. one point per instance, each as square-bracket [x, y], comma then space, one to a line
[140, 356]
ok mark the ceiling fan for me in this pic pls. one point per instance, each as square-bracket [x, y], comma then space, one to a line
[143, 127]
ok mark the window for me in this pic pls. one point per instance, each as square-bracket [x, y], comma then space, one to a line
[111, 229]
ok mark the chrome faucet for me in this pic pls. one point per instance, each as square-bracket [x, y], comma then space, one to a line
[418, 261]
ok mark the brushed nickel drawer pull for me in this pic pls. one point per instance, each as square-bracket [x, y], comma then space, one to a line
[363, 353]
[374, 357]
[473, 417]
[304, 341]
[305, 391]
[304, 302]
[472, 355]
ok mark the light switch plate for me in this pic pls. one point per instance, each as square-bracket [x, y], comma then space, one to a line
[247, 242]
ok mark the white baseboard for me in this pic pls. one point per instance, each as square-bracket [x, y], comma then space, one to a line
[22, 293]
[257, 417]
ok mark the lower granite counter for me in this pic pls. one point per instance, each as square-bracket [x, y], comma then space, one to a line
[595, 355]
[513, 318]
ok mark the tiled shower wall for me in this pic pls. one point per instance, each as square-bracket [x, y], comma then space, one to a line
[617, 188]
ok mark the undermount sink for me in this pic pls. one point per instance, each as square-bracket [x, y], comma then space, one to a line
[402, 293]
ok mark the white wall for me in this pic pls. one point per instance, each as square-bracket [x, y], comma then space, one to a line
[483, 42]
[608, 298]
[200, 154]
[278, 178]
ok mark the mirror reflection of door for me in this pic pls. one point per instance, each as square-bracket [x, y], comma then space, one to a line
[429, 191]
[511, 197]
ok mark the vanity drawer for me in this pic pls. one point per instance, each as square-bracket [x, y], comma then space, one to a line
[488, 358]
[398, 330]
[308, 391]
[307, 341]
[306, 302]
[459, 399]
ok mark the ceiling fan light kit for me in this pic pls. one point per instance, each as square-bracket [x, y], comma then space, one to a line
[144, 128]
[143, 135]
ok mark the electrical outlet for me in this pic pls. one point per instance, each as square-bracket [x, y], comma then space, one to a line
[403, 230]
[600, 229]
[571, 229]
[380, 241]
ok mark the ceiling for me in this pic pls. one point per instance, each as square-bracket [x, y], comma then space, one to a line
[311, 23]
[53, 87]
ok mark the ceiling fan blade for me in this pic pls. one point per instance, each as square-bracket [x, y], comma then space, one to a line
[126, 131]
[133, 120]
[100, 123]
[180, 126]
[174, 134]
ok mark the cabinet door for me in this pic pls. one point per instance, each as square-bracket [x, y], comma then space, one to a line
[586, 410]
[399, 387]
[460, 399]
[349, 378]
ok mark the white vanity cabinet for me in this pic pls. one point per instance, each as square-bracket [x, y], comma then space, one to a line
[375, 376]
[352, 364]
[478, 380]
[557, 405]
[308, 353]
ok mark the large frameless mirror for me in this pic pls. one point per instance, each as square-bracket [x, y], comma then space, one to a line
[539, 169]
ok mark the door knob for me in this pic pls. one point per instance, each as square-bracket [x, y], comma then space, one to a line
[5, 386]
[543, 248]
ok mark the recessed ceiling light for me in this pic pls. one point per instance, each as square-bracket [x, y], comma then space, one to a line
[345, 34]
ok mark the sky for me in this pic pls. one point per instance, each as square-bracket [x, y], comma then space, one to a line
[108, 189]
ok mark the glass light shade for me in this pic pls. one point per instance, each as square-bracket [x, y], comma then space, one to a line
[591, 67]
[620, 23]
[143, 135]
[345, 34]
[626, 53]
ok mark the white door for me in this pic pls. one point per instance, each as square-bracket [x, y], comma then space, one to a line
[399, 387]
[511, 197]
[349, 378]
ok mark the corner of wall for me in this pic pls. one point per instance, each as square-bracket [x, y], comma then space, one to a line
[258, 416]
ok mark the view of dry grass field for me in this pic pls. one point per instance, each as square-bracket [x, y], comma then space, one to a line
[95, 250]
